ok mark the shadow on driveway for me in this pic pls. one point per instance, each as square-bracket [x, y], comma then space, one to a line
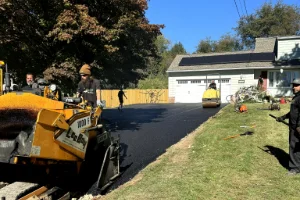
[131, 118]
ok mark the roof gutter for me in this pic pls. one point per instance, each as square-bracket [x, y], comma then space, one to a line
[201, 70]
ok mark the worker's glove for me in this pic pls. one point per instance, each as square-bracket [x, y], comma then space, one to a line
[99, 103]
[280, 119]
[298, 129]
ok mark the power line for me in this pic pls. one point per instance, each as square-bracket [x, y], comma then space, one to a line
[245, 8]
[237, 9]
[241, 7]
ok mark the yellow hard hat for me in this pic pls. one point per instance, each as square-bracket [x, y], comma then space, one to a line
[2, 63]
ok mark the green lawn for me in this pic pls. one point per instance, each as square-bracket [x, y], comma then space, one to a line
[205, 166]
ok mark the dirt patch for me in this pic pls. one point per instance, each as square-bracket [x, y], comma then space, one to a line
[187, 141]
[179, 153]
[133, 181]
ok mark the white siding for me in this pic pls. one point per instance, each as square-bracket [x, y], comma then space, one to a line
[172, 85]
[233, 75]
[288, 49]
[247, 76]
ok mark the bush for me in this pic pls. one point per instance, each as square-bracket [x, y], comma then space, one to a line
[154, 82]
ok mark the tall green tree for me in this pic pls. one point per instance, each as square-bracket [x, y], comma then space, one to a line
[162, 44]
[176, 49]
[157, 77]
[269, 20]
[169, 55]
[205, 46]
[227, 43]
[56, 37]
[159, 81]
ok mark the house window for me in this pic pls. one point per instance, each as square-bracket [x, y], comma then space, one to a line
[183, 82]
[209, 81]
[217, 81]
[277, 79]
[195, 81]
[225, 81]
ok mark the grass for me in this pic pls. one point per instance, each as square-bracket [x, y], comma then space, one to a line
[205, 166]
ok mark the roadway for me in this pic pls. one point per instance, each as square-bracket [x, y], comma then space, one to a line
[147, 130]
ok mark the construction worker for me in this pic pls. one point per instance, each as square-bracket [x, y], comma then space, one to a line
[121, 100]
[294, 129]
[213, 85]
[89, 87]
[30, 84]
[260, 83]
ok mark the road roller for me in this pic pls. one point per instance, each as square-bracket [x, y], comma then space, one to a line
[211, 97]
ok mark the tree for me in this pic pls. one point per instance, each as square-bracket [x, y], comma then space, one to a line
[277, 20]
[56, 37]
[227, 43]
[159, 81]
[168, 56]
[157, 77]
[177, 49]
[205, 46]
[162, 44]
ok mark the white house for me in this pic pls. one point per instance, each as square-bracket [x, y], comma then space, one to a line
[276, 59]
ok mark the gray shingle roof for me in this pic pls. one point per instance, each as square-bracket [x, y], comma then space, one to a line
[261, 45]
[174, 67]
[264, 44]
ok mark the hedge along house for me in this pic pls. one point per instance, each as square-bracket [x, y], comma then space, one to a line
[276, 59]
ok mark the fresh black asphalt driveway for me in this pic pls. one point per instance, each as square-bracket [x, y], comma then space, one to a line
[147, 130]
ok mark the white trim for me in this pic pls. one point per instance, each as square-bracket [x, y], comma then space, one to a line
[219, 69]
[203, 80]
[288, 37]
[272, 67]
[274, 71]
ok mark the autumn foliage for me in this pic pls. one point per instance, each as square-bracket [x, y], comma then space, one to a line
[54, 38]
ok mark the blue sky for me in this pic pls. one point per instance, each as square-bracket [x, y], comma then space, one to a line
[189, 21]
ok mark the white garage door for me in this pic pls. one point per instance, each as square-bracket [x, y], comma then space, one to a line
[191, 91]
[187, 93]
[225, 91]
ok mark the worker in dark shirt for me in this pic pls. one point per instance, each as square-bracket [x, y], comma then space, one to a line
[294, 129]
[260, 83]
[89, 87]
[121, 100]
[213, 85]
[30, 84]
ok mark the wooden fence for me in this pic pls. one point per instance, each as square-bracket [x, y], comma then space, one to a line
[135, 96]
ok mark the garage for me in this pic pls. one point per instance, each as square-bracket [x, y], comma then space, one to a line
[187, 92]
[191, 91]
[187, 73]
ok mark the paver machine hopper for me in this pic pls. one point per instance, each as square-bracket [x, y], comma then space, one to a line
[60, 136]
